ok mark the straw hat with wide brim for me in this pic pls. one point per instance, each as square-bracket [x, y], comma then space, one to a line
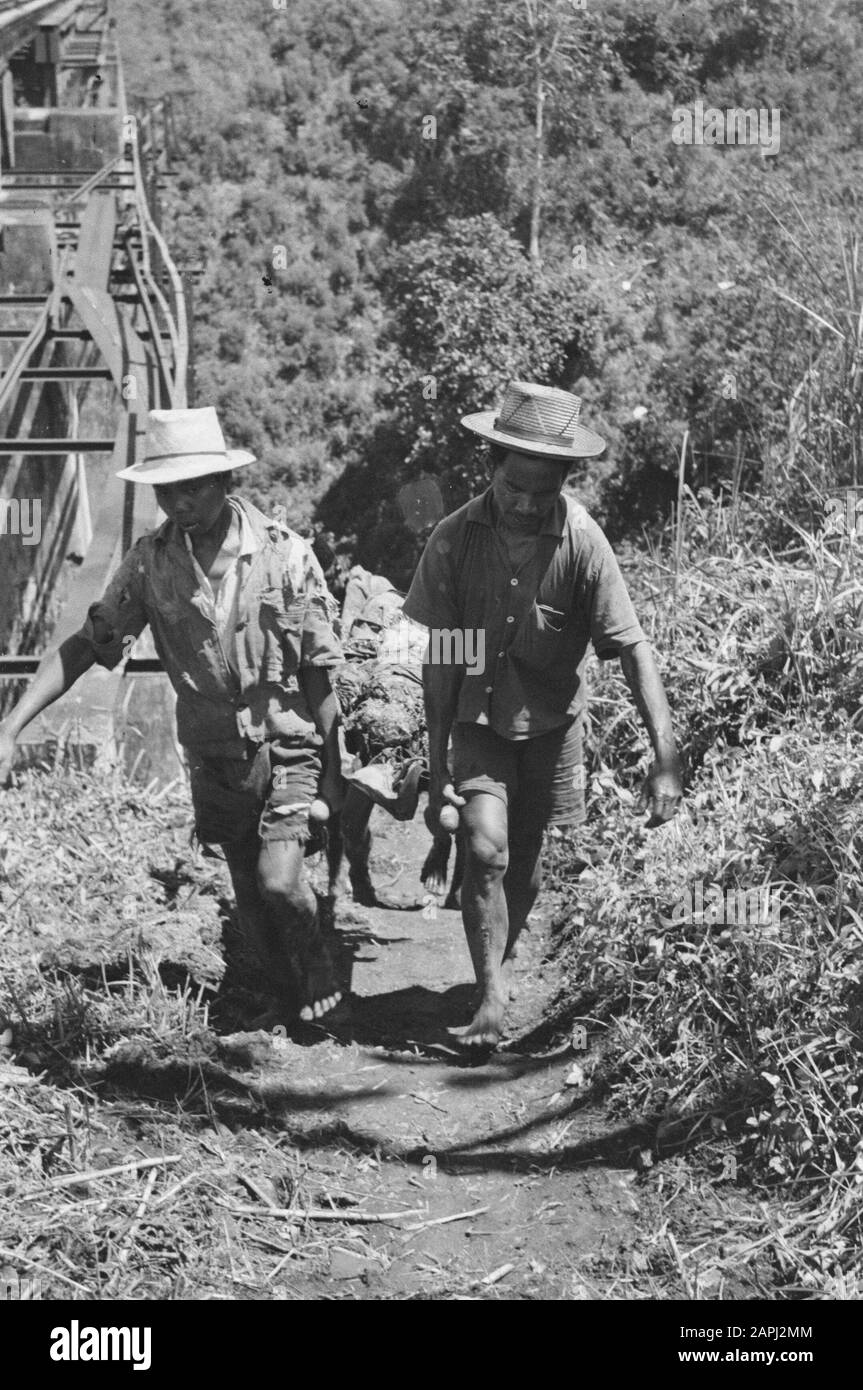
[182, 445]
[537, 420]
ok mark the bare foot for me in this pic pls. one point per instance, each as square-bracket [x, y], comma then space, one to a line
[318, 986]
[365, 895]
[485, 1027]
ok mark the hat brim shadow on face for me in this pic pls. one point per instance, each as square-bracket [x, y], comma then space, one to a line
[184, 470]
[585, 444]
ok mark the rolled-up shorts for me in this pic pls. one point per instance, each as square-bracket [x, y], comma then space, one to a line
[540, 780]
[266, 794]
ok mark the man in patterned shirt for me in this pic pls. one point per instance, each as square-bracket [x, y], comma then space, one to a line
[242, 621]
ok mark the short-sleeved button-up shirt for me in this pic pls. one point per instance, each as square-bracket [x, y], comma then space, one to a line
[222, 602]
[238, 684]
[535, 621]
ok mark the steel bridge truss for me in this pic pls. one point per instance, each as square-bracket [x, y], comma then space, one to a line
[101, 309]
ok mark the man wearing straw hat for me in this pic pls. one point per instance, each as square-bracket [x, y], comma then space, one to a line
[242, 622]
[524, 575]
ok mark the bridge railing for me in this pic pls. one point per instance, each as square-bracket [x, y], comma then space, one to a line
[176, 323]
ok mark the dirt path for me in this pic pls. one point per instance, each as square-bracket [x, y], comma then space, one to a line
[381, 1101]
[125, 1029]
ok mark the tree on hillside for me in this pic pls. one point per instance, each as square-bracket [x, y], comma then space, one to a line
[556, 49]
[418, 160]
[467, 315]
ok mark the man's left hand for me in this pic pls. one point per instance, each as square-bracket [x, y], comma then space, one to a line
[662, 791]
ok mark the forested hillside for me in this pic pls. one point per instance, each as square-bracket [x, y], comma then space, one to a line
[361, 183]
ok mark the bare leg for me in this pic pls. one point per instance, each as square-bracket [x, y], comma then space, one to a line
[522, 884]
[484, 911]
[256, 919]
[335, 856]
[357, 836]
[294, 913]
[355, 816]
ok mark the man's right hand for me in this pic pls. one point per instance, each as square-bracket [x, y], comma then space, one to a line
[57, 673]
[440, 794]
[8, 752]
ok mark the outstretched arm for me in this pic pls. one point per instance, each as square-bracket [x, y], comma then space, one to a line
[663, 786]
[57, 673]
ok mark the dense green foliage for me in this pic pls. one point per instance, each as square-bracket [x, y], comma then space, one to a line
[365, 285]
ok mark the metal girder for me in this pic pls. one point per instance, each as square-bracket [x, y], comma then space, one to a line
[18, 25]
[56, 446]
[147, 367]
[72, 190]
[89, 581]
[64, 334]
[66, 172]
[65, 374]
[14, 667]
[31, 339]
[95, 247]
[60, 14]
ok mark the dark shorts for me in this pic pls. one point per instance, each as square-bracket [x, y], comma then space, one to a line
[541, 780]
[236, 799]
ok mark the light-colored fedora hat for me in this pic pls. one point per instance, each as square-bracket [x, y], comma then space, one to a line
[539, 420]
[184, 444]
